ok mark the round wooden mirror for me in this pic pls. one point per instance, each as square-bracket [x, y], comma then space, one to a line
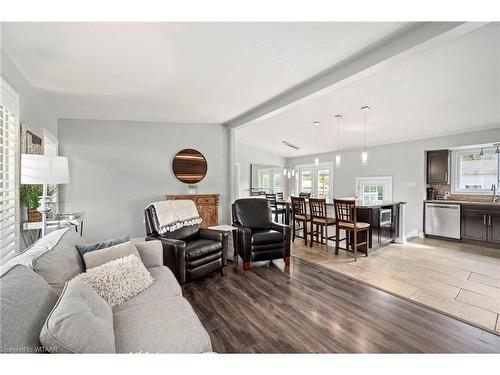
[189, 166]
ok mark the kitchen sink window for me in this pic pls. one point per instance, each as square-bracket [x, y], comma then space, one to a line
[372, 189]
[476, 170]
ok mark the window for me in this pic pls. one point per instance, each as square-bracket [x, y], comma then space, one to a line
[323, 183]
[475, 173]
[372, 189]
[9, 170]
[315, 179]
[277, 182]
[305, 182]
[265, 178]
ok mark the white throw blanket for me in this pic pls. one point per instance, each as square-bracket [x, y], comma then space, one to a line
[175, 214]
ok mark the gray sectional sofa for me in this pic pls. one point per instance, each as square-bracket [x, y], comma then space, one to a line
[158, 320]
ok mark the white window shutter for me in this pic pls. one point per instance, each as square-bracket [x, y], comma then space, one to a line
[9, 170]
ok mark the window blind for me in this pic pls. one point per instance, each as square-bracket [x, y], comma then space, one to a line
[9, 171]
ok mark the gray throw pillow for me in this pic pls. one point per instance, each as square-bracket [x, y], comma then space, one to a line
[54, 257]
[98, 257]
[82, 249]
[118, 280]
[81, 322]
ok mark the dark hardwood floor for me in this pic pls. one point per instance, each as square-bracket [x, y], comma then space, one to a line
[308, 309]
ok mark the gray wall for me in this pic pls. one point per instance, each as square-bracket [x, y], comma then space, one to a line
[246, 155]
[117, 168]
[405, 162]
[33, 110]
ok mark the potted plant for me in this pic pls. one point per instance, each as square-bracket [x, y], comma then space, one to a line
[29, 197]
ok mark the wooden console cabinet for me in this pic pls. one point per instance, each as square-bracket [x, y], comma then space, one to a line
[207, 205]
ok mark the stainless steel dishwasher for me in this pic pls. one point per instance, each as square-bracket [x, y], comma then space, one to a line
[443, 220]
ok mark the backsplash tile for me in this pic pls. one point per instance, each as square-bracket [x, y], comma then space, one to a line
[442, 189]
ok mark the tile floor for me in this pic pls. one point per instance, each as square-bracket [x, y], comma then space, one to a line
[458, 279]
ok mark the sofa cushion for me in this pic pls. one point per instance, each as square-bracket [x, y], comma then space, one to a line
[201, 247]
[165, 286]
[151, 253]
[101, 245]
[118, 280]
[54, 257]
[25, 302]
[98, 257]
[266, 236]
[81, 322]
[166, 326]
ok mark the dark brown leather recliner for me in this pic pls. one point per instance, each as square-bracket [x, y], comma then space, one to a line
[190, 252]
[259, 238]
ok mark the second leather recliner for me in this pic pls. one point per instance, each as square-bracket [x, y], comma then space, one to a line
[259, 238]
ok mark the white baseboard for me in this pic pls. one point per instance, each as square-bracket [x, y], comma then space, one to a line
[412, 234]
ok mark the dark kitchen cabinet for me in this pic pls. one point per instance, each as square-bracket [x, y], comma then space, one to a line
[380, 233]
[438, 163]
[474, 224]
[494, 227]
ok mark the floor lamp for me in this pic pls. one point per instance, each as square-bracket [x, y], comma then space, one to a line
[44, 170]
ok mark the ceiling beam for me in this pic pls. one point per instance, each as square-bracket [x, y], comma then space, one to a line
[415, 37]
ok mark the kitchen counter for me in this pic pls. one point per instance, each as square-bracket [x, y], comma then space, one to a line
[376, 204]
[464, 203]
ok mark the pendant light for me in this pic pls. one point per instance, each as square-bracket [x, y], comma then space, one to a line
[364, 154]
[337, 156]
[316, 126]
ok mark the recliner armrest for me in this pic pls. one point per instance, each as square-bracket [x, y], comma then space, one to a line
[174, 256]
[210, 234]
[283, 228]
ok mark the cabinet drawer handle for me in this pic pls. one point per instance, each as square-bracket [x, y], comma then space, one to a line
[489, 220]
[484, 219]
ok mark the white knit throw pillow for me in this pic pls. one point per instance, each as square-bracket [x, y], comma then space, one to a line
[118, 280]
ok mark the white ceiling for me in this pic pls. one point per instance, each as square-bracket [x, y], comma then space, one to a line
[177, 72]
[453, 87]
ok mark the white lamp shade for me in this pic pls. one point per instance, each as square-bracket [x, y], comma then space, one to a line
[44, 169]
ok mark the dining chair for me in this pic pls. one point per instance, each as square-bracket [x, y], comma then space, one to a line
[320, 219]
[274, 207]
[299, 216]
[345, 214]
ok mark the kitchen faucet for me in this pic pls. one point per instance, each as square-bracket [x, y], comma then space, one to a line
[494, 190]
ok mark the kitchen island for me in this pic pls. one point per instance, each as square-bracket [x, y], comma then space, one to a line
[386, 219]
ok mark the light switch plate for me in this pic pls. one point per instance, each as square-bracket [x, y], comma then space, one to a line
[412, 184]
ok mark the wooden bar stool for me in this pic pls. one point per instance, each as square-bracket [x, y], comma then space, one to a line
[275, 209]
[345, 214]
[319, 217]
[299, 216]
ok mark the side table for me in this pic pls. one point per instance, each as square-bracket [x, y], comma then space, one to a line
[233, 238]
